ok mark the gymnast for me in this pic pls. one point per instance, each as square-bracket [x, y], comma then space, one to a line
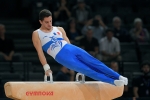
[53, 41]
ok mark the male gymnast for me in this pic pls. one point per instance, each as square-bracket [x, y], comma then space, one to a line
[53, 41]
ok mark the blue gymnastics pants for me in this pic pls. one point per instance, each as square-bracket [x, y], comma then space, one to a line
[77, 59]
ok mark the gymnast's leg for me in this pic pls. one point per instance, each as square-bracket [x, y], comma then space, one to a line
[97, 65]
[68, 58]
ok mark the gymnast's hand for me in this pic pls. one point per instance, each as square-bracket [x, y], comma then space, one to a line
[47, 72]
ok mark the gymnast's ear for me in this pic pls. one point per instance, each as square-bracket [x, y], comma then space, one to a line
[40, 21]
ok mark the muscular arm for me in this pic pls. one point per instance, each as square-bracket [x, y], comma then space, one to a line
[64, 34]
[38, 47]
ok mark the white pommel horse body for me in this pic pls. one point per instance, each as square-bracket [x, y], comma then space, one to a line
[49, 90]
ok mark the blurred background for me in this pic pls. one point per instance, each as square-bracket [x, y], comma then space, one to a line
[114, 31]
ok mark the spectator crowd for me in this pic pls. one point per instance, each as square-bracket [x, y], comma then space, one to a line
[89, 31]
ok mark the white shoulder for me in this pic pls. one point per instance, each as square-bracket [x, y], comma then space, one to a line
[60, 28]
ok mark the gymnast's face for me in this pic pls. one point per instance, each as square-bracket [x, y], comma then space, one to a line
[47, 22]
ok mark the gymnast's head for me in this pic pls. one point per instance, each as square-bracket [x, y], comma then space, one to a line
[45, 19]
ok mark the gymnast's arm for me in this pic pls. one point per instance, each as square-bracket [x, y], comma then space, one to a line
[38, 47]
[64, 34]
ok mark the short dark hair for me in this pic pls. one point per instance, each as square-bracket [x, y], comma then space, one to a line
[109, 30]
[44, 13]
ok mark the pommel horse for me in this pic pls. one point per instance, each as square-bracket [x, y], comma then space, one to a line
[49, 90]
